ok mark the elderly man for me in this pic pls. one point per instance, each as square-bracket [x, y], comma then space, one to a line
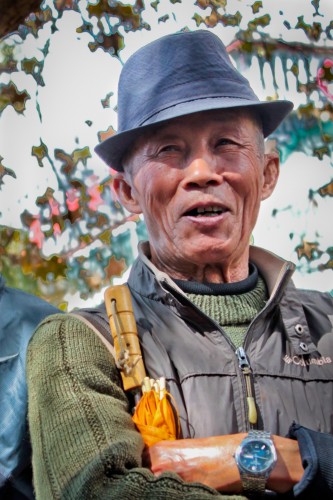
[246, 356]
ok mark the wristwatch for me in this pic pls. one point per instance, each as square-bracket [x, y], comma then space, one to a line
[255, 458]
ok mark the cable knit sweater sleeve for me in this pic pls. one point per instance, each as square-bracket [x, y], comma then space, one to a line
[85, 445]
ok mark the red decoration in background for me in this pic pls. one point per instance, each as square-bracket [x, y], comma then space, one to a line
[325, 77]
[36, 234]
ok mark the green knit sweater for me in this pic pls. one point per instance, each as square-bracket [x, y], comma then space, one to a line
[233, 312]
[85, 445]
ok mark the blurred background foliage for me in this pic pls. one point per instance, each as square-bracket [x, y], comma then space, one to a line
[75, 238]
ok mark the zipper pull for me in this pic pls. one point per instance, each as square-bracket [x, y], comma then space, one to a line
[242, 358]
[244, 365]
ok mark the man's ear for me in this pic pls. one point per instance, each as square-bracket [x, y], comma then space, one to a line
[125, 193]
[271, 174]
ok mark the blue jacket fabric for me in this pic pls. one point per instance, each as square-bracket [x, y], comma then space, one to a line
[20, 313]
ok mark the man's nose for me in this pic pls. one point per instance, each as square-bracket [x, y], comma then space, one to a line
[201, 172]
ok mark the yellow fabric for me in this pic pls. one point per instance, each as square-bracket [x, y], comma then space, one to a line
[155, 419]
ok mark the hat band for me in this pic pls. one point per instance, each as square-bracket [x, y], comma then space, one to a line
[202, 104]
[184, 92]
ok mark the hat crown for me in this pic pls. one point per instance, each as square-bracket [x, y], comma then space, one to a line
[175, 69]
[175, 76]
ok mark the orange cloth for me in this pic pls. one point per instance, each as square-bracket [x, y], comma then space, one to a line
[155, 419]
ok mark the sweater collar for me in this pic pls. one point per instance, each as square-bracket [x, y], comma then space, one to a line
[237, 288]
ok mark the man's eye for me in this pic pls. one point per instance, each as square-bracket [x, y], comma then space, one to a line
[224, 142]
[169, 147]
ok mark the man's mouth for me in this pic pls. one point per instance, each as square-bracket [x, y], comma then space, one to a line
[208, 211]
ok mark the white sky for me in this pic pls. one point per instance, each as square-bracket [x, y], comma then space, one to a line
[76, 80]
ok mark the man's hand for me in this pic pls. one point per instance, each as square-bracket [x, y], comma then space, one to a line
[211, 461]
[288, 470]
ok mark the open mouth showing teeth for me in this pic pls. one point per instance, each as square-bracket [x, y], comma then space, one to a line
[206, 211]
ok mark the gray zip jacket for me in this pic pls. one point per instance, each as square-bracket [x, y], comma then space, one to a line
[289, 349]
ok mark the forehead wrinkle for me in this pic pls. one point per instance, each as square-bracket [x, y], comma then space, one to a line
[162, 130]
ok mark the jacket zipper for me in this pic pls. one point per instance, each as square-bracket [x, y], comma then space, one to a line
[245, 368]
[243, 362]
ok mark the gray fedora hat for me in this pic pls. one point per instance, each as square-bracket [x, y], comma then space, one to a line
[178, 75]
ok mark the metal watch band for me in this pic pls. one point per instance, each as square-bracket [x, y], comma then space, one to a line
[259, 434]
[255, 484]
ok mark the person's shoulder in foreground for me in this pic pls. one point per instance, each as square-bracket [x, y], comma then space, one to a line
[20, 314]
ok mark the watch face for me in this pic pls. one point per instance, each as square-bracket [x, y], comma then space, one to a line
[256, 456]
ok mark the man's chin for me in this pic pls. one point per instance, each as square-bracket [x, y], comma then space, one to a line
[214, 244]
[209, 254]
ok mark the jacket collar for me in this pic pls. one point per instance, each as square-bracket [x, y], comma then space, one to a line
[277, 274]
[162, 278]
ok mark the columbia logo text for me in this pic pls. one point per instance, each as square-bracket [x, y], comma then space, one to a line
[299, 360]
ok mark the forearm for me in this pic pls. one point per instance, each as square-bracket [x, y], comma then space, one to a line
[207, 460]
[211, 461]
[83, 438]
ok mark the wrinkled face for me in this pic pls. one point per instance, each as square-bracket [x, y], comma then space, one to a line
[199, 181]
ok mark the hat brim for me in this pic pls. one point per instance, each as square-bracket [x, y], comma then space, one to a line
[115, 147]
